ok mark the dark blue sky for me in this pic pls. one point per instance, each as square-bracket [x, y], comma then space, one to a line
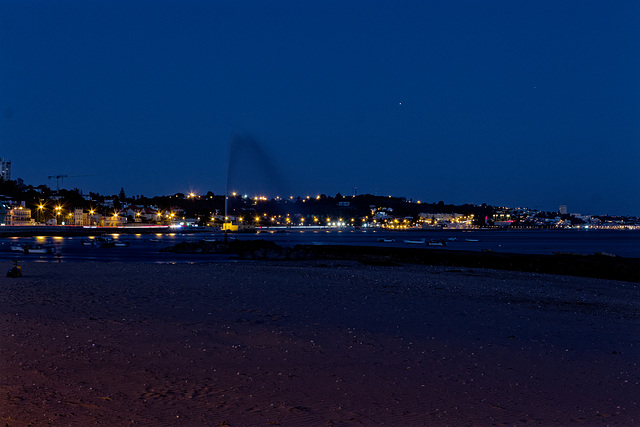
[502, 102]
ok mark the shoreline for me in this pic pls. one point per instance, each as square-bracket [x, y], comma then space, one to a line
[315, 343]
[599, 265]
[73, 230]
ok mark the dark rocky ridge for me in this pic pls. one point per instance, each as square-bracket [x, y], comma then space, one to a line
[601, 266]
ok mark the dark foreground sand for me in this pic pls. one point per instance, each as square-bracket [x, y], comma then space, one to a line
[309, 343]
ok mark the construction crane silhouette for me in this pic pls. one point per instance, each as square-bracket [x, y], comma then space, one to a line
[60, 178]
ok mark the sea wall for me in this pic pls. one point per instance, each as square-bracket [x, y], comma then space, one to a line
[71, 230]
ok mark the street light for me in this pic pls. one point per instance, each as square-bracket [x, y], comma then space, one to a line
[58, 213]
[40, 209]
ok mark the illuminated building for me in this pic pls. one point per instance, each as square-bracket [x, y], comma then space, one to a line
[5, 169]
[20, 216]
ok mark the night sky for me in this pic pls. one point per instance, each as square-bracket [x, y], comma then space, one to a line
[515, 103]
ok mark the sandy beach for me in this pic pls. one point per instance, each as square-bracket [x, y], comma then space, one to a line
[315, 343]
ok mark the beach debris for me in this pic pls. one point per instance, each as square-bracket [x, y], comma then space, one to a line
[16, 271]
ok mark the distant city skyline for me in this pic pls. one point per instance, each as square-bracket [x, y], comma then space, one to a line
[498, 102]
[262, 197]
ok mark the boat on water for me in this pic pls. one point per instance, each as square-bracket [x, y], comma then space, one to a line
[39, 249]
[431, 242]
[385, 240]
[104, 242]
[415, 242]
[32, 249]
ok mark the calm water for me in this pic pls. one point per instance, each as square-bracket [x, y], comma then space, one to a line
[144, 248]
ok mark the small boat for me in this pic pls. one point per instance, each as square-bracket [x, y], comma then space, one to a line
[119, 244]
[415, 242]
[471, 240]
[88, 242]
[105, 242]
[38, 249]
[384, 240]
[17, 248]
[435, 242]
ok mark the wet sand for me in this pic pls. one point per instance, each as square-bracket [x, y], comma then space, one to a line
[315, 343]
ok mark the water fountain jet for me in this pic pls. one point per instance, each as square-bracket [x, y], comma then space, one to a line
[251, 166]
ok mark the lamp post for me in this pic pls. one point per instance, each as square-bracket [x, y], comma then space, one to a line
[40, 209]
[58, 213]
